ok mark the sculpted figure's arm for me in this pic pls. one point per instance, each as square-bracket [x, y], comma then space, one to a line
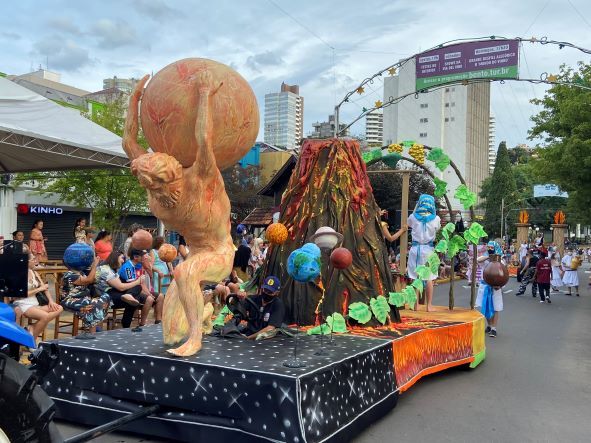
[205, 158]
[130, 144]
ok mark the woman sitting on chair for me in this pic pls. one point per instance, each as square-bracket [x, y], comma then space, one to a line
[78, 295]
[43, 312]
[127, 296]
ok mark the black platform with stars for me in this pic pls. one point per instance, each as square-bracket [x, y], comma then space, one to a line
[233, 388]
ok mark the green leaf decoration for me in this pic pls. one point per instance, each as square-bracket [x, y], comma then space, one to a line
[219, 320]
[456, 244]
[380, 308]
[418, 285]
[441, 246]
[433, 262]
[423, 272]
[408, 143]
[447, 230]
[391, 160]
[397, 298]
[360, 312]
[410, 296]
[337, 323]
[440, 187]
[372, 155]
[320, 329]
[474, 233]
[465, 196]
[440, 158]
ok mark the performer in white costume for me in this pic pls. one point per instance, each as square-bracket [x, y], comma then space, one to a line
[424, 223]
[570, 277]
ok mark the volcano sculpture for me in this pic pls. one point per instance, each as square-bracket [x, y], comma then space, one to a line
[330, 187]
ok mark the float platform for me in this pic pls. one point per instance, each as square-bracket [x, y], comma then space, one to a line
[235, 388]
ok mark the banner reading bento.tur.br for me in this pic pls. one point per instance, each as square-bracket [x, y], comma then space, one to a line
[467, 61]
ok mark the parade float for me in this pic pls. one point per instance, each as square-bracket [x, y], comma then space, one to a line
[355, 340]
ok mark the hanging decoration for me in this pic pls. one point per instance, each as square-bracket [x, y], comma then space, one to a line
[440, 187]
[440, 158]
[465, 196]
[417, 152]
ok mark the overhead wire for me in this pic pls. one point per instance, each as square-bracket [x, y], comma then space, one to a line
[536, 17]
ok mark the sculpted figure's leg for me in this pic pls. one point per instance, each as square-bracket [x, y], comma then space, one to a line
[188, 278]
[174, 320]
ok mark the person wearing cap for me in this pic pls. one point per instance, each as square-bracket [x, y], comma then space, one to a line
[271, 310]
[128, 273]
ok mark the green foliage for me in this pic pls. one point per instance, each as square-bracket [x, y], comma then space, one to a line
[433, 262]
[410, 296]
[220, 318]
[474, 233]
[501, 185]
[337, 323]
[397, 299]
[423, 272]
[111, 193]
[465, 196]
[563, 126]
[440, 188]
[320, 329]
[456, 244]
[440, 158]
[418, 285]
[380, 308]
[360, 312]
[447, 230]
[441, 246]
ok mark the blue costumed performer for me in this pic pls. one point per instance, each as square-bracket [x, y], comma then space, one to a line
[424, 223]
[490, 300]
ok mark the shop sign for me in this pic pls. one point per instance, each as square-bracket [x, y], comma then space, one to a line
[24, 209]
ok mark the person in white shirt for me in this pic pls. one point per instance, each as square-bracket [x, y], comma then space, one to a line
[570, 279]
[424, 223]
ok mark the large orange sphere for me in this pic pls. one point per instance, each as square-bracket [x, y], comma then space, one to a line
[141, 239]
[169, 111]
[276, 233]
[167, 252]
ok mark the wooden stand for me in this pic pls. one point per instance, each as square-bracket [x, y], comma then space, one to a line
[522, 233]
[558, 232]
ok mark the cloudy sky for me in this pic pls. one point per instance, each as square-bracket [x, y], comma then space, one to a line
[327, 47]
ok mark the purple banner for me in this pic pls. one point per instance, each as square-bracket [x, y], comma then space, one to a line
[464, 61]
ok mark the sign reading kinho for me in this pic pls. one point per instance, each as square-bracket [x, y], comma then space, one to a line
[467, 61]
[549, 191]
[25, 209]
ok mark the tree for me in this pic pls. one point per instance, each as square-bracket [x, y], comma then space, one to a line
[564, 128]
[387, 188]
[111, 193]
[501, 186]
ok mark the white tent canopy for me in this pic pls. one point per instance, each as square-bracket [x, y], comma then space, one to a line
[37, 134]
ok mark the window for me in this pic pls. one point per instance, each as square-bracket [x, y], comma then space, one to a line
[453, 119]
[453, 104]
[423, 134]
[446, 89]
[447, 105]
[424, 105]
[446, 119]
[453, 89]
[424, 120]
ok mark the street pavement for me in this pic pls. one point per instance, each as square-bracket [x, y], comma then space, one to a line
[533, 386]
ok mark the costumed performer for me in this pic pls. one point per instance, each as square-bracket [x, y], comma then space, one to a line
[385, 231]
[490, 300]
[556, 281]
[570, 279]
[424, 223]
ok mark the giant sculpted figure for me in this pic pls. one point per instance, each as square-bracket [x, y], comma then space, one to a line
[199, 116]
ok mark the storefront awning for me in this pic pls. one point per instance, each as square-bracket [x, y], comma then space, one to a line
[37, 134]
